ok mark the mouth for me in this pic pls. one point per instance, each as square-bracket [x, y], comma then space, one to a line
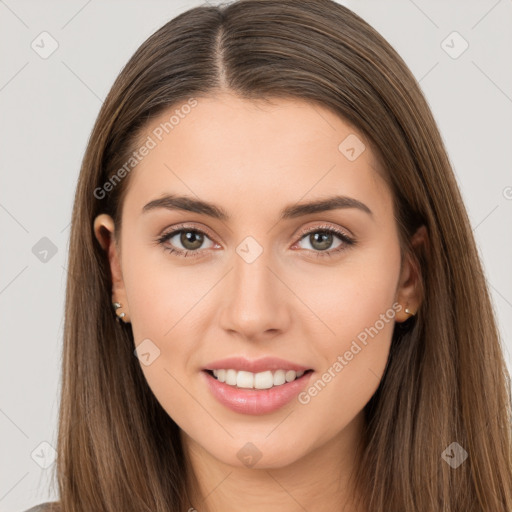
[268, 379]
[261, 393]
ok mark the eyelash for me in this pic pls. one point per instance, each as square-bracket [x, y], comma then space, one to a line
[347, 241]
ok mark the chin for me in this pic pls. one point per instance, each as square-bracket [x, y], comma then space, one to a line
[259, 451]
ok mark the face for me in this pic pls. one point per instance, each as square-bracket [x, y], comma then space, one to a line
[281, 289]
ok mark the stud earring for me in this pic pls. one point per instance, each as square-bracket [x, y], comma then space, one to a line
[409, 312]
[119, 316]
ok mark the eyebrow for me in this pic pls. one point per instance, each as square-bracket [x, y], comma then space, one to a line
[190, 204]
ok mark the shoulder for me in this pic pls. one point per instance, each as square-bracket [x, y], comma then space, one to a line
[49, 506]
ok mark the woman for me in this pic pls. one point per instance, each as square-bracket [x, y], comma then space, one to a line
[274, 297]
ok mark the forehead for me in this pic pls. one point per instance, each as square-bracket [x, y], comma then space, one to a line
[253, 150]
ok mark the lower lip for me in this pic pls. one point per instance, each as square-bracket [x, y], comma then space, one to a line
[255, 401]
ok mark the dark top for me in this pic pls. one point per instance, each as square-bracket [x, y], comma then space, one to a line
[49, 506]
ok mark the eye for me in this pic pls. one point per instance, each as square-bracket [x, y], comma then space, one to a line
[321, 239]
[190, 239]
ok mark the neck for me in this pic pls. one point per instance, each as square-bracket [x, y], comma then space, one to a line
[318, 481]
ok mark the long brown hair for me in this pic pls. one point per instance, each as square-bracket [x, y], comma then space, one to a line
[446, 380]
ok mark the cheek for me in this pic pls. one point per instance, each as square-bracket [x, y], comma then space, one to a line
[159, 300]
[159, 297]
[159, 292]
[358, 307]
[351, 298]
[355, 305]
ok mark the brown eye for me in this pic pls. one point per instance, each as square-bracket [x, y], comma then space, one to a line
[184, 241]
[191, 240]
[321, 241]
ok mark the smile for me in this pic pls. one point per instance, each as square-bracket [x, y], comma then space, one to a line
[256, 401]
[262, 380]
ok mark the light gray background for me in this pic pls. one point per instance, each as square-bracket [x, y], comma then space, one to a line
[48, 107]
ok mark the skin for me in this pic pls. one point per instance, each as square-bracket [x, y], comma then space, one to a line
[287, 303]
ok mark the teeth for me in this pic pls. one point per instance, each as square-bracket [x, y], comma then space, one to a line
[262, 380]
[231, 377]
[279, 377]
[245, 379]
[290, 375]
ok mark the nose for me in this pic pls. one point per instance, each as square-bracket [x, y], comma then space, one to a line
[256, 304]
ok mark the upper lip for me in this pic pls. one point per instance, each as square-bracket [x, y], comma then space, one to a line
[255, 365]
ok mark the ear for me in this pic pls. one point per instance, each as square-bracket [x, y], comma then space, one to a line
[409, 292]
[104, 230]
